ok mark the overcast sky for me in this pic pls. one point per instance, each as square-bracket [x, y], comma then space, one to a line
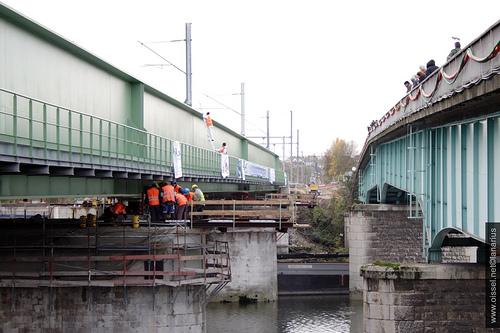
[336, 64]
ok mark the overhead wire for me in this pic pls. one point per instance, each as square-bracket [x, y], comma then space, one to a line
[257, 127]
[159, 55]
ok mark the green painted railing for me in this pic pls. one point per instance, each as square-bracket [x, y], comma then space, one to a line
[38, 130]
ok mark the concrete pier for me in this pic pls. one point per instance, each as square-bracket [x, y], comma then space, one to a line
[253, 265]
[98, 309]
[418, 298]
[107, 277]
[380, 232]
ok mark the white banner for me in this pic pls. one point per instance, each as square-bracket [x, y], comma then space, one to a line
[224, 165]
[256, 170]
[272, 175]
[241, 169]
[176, 158]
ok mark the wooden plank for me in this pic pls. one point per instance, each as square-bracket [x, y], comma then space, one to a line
[248, 213]
[243, 202]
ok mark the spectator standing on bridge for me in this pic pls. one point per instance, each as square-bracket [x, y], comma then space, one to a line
[408, 86]
[152, 200]
[457, 49]
[414, 81]
[168, 200]
[180, 211]
[199, 197]
[421, 77]
[431, 68]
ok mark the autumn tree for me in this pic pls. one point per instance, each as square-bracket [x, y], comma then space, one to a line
[339, 158]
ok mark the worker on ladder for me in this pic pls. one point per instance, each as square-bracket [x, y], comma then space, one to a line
[152, 201]
[210, 126]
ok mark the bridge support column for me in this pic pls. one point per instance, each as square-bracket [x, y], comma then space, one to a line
[380, 232]
[103, 309]
[254, 276]
[424, 298]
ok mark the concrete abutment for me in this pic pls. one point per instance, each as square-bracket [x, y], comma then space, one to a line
[380, 232]
[103, 309]
[424, 298]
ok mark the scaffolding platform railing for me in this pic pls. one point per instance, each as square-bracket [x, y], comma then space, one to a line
[64, 256]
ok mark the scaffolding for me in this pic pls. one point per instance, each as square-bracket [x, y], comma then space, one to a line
[61, 253]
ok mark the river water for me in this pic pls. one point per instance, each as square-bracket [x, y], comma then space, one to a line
[291, 314]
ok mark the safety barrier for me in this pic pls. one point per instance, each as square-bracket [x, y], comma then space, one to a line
[34, 131]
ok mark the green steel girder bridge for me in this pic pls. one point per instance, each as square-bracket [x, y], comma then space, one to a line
[438, 149]
[72, 125]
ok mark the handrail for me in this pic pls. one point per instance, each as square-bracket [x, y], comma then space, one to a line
[109, 139]
[467, 55]
[98, 118]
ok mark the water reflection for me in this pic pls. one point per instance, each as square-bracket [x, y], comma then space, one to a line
[298, 314]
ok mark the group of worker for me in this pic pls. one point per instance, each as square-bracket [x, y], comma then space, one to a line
[171, 201]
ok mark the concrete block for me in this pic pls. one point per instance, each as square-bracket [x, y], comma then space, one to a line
[416, 326]
[401, 312]
[379, 326]
[375, 311]
[373, 297]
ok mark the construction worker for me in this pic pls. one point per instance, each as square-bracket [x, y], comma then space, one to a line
[153, 202]
[222, 149]
[180, 212]
[176, 186]
[210, 125]
[119, 208]
[188, 195]
[199, 197]
[117, 211]
[168, 200]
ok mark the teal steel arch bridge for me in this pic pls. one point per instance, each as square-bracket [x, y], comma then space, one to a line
[438, 149]
[71, 124]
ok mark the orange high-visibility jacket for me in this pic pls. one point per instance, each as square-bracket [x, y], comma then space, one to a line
[189, 197]
[168, 193]
[208, 121]
[177, 188]
[118, 208]
[180, 199]
[153, 195]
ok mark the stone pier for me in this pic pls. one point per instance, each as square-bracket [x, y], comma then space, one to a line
[103, 309]
[380, 232]
[253, 265]
[424, 298]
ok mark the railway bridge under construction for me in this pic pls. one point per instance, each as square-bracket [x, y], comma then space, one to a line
[76, 131]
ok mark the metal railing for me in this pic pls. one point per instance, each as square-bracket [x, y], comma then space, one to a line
[476, 62]
[38, 130]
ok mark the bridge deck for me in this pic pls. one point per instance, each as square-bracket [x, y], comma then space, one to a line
[437, 150]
